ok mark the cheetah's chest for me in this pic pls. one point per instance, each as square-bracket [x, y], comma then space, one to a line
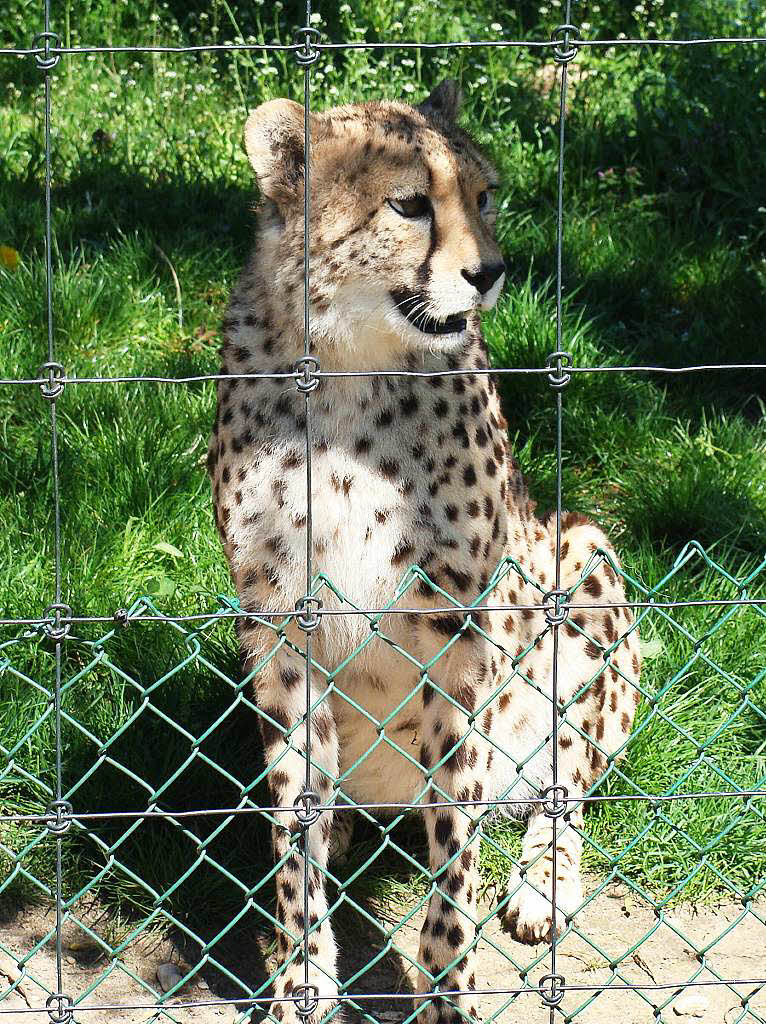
[358, 521]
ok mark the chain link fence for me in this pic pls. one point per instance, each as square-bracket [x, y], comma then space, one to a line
[222, 847]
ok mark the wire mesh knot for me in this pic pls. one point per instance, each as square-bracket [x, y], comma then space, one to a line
[122, 617]
[306, 999]
[306, 370]
[554, 613]
[551, 989]
[306, 807]
[59, 1008]
[554, 801]
[308, 617]
[557, 378]
[56, 629]
[309, 54]
[59, 815]
[54, 385]
[46, 60]
[564, 51]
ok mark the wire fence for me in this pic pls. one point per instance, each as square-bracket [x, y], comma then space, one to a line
[543, 978]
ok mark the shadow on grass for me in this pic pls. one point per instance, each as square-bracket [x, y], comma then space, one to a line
[668, 267]
[100, 200]
[147, 731]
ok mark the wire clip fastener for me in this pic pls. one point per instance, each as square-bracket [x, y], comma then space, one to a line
[551, 989]
[306, 807]
[564, 51]
[557, 361]
[306, 370]
[309, 614]
[59, 815]
[54, 385]
[309, 54]
[56, 630]
[122, 617]
[555, 801]
[46, 60]
[307, 1000]
[554, 613]
[59, 1008]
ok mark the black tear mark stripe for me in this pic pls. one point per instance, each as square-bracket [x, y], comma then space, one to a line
[423, 274]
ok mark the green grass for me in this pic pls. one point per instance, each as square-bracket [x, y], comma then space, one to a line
[664, 262]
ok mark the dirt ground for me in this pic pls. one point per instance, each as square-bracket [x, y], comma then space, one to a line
[614, 922]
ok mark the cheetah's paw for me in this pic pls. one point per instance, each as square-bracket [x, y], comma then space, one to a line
[527, 914]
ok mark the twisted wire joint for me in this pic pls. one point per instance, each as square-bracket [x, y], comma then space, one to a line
[565, 50]
[46, 41]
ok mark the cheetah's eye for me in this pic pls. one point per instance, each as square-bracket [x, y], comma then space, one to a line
[484, 201]
[416, 206]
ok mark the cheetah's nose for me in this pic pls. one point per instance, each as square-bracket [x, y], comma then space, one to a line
[485, 277]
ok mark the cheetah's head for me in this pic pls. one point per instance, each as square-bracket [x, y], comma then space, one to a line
[402, 219]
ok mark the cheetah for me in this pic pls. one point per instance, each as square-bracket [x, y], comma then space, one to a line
[417, 500]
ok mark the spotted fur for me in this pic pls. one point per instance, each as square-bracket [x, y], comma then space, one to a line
[405, 471]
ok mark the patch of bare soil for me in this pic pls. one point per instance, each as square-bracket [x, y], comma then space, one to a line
[619, 941]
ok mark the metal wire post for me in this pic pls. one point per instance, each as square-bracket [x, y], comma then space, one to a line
[58, 1004]
[307, 62]
[562, 56]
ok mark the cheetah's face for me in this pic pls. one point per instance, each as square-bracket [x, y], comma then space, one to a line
[402, 216]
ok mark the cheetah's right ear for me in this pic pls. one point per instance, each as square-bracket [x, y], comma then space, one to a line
[274, 140]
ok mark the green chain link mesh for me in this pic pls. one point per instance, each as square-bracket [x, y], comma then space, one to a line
[137, 879]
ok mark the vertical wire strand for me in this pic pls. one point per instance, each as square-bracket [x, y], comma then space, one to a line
[56, 503]
[309, 518]
[556, 625]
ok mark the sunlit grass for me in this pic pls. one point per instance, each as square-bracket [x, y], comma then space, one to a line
[663, 263]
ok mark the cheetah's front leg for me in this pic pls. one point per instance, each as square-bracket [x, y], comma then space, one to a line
[450, 752]
[528, 909]
[599, 667]
[281, 697]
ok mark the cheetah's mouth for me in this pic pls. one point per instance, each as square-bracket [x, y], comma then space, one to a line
[413, 307]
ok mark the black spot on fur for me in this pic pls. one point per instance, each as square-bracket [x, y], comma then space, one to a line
[443, 829]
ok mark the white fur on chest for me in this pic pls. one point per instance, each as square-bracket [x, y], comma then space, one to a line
[356, 518]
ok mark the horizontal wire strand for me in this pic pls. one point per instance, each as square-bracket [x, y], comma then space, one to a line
[330, 374]
[74, 817]
[529, 44]
[667, 986]
[457, 609]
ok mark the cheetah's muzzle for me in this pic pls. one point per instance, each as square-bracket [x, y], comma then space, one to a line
[412, 305]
